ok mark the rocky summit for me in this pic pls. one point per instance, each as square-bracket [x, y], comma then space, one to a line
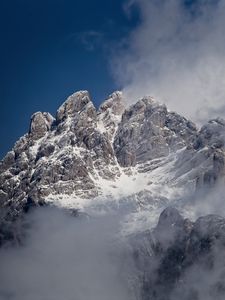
[153, 169]
[142, 156]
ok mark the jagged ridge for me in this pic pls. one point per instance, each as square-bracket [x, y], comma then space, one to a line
[112, 152]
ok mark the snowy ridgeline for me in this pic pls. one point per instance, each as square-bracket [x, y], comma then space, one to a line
[100, 181]
[136, 159]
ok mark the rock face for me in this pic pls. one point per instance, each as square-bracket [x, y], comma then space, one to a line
[136, 160]
[84, 153]
[148, 131]
[177, 253]
[40, 124]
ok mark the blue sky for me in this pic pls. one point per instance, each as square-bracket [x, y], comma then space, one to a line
[51, 48]
[173, 50]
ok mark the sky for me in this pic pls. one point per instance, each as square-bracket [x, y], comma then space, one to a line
[50, 49]
[172, 50]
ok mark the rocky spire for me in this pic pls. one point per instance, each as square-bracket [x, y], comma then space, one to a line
[40, 123]
[77, 102]
[84, 150]
[110, 113]
[114, 104]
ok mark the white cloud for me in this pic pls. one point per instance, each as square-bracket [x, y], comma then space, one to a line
[64, 257]
[177, 55]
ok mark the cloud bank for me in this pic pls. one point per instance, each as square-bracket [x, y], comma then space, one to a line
[65, 258]
[176, 54]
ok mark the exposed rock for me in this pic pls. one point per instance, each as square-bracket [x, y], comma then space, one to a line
[212, 134]
[7, 161]
[74, 104]
[166, 271]
[45, 150]
[84, 150]
[143, 157]
[110, 113]
[40, 124]
[148, 131]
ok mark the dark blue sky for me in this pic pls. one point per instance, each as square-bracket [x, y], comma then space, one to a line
[51, 48]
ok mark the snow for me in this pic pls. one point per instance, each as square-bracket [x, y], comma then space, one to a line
[100, 126]
[121, 193]
[34, 149]
[139, 192]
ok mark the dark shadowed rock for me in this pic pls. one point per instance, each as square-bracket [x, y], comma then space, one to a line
[176, 247]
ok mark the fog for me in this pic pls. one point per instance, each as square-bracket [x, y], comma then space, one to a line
[203, 281]
[63, 257]
[69, 257]
[175, 54]
[204, 201]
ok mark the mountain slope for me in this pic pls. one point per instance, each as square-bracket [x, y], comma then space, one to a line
[140, 158]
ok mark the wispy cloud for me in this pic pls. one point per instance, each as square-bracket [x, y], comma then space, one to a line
[176, 54]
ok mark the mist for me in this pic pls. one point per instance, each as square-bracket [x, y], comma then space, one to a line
[69, 257]
[204, 201]
[175, 54]
[204, 281]
[63, 257]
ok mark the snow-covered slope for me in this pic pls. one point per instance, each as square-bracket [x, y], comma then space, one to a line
[138, 158]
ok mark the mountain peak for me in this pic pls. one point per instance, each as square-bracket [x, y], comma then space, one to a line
[74, 104]
[89, 154]
[115, 102]
[110, 113]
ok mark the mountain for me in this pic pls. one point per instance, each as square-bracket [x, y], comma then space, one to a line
[142, 156]
[180, 259]
[154, 169]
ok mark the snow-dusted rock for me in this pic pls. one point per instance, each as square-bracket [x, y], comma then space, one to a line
[148, 131]
[110, 113]
[143, 157]
[134, 160]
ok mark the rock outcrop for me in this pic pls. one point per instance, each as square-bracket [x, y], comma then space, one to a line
[136, 160]
[84, 152]
[176, 253]
[40, 124]
[148, 131]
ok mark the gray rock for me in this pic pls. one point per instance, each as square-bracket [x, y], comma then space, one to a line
[148, 131]
[82, 146]
[7, 161]
[73, 105]
[110, 113]
[165, 271]
[40, 124]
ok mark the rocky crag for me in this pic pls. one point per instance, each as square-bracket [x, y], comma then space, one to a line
[83, 157]
[135, 160]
